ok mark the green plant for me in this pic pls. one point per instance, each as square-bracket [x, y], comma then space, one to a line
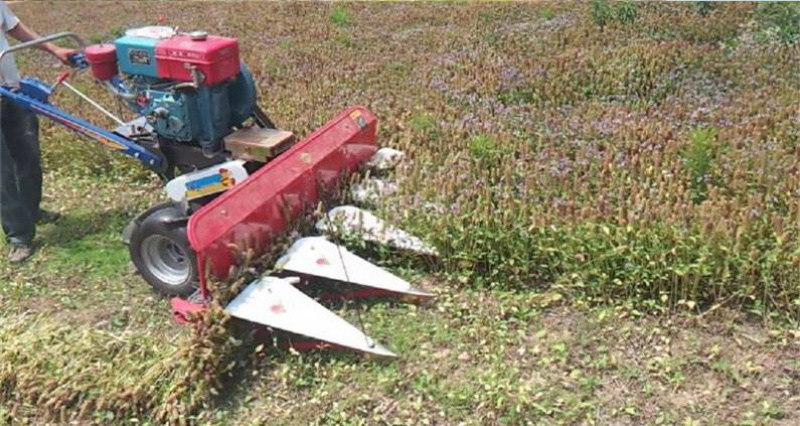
[626, 12]
[603, 13]
[699, 156]
[483, 149]
[783, 16]
[422, 123]
[546, 13]
[344, 39]
[340, 17]
[703, 8]
[426, 125]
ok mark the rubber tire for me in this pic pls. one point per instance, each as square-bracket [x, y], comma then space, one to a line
[168, 221]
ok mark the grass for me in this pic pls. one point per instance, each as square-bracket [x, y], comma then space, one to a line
[340, 17]
[784, 18]
[699, 157]
[612, 186]
[604, 12]
[512, 359]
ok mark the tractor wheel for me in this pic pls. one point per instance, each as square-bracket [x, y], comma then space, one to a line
[160, 250]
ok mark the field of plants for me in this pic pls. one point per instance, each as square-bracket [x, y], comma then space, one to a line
[613, 187]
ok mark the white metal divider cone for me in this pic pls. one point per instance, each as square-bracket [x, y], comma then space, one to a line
[318, 257]
[276, 303]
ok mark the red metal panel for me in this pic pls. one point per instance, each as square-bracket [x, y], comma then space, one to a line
[181, 309]
[260, 208]
[216, 57]
[103, 60]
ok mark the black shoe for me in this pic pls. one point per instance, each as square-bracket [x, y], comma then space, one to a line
[46, 216]
[19, 253]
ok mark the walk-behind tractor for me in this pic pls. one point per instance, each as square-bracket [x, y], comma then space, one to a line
[232, 178]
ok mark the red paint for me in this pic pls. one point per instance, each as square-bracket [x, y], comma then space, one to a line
[216, 57]
[307, 345]
[322, 261]
[363, 293]
[262, 206]
[182, 309]
[277, 309]
[103, 60]
[63, 77]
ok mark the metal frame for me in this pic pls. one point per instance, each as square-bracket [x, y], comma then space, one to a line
[42, 40]
[34, 95]
[124, 145]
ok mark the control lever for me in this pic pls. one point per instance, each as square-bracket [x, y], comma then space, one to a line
[62, 81]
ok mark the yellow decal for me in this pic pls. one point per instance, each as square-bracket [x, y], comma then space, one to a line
[210, 184]
[361, 122]
[206, 190]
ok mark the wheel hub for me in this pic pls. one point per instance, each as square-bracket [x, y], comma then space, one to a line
[165, 259]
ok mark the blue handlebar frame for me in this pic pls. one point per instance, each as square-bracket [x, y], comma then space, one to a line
[34, 95]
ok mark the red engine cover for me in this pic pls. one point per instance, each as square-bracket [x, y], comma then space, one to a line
[216, 57]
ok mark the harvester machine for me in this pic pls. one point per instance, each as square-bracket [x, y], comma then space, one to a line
[232, 180]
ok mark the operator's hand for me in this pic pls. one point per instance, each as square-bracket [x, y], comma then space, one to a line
[63, 54]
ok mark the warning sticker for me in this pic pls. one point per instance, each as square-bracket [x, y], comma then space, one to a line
[361, 122]
[139, 56]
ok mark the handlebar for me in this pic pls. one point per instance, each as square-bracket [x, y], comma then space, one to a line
[46, 39]
[78, 61]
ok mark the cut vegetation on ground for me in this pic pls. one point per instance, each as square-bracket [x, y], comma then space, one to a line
[614, 189]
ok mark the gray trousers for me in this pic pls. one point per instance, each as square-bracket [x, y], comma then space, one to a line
[20, 172]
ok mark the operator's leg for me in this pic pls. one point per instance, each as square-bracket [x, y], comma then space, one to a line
[20, 173]
[28, 157]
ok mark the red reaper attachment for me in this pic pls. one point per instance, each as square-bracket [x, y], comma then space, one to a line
[264, 205]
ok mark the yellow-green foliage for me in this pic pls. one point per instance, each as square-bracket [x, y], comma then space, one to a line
[529, 120]
[54, 371]
[545, 151]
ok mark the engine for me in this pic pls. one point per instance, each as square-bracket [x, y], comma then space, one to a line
[191, 88]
